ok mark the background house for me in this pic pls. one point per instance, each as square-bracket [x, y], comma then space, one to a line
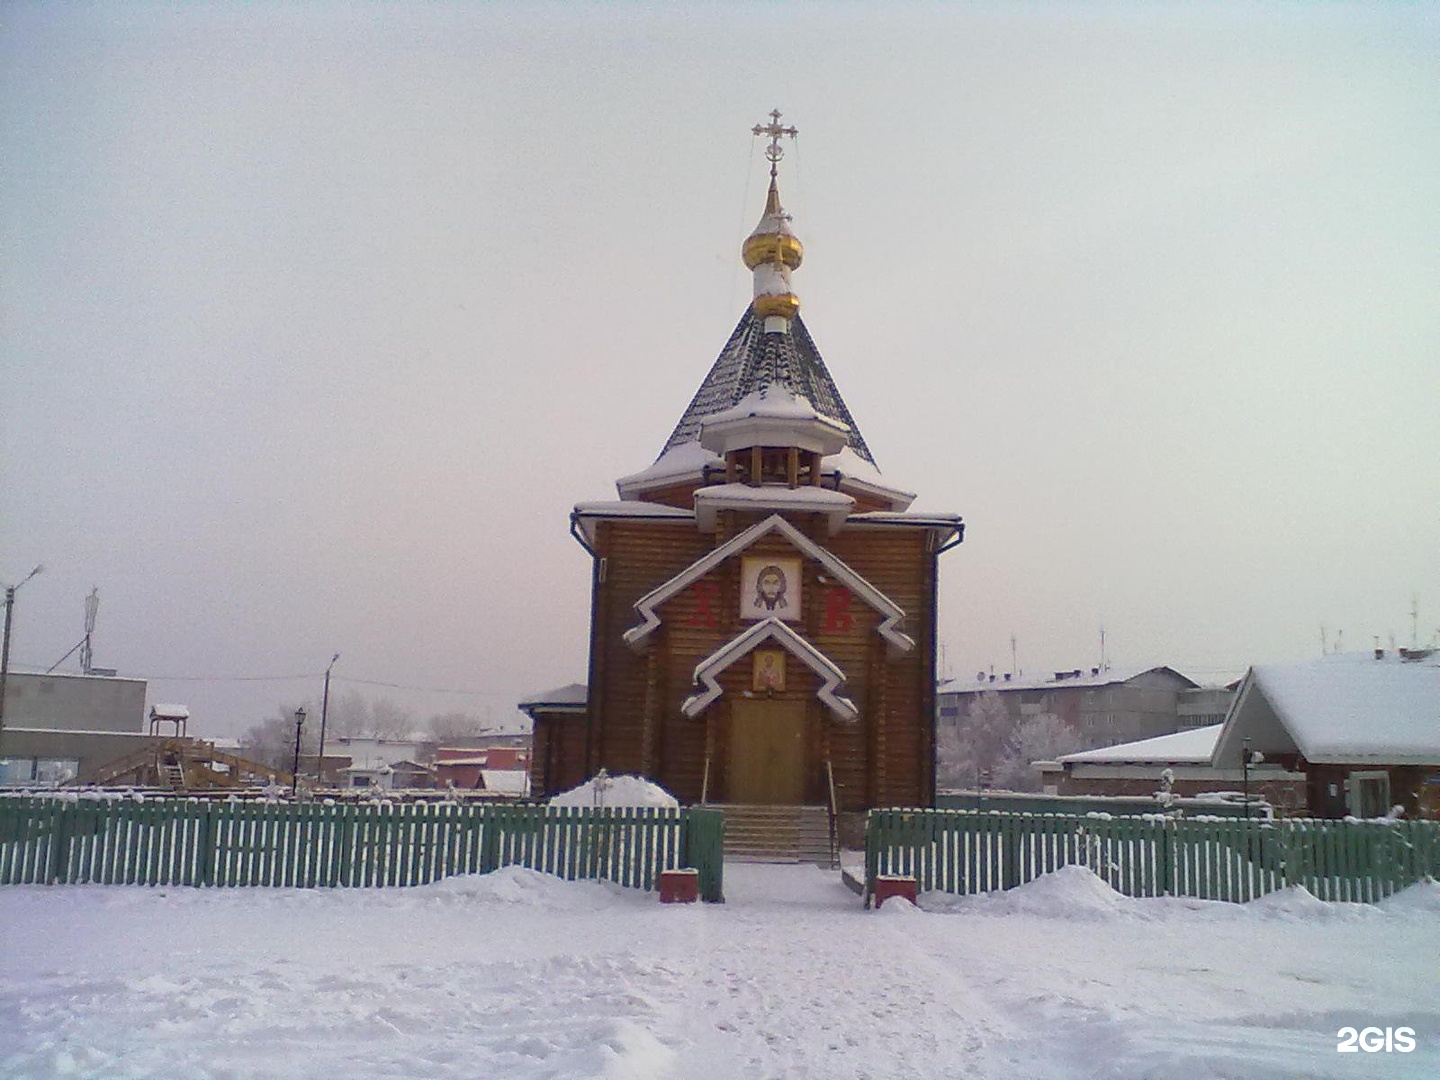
[1103, 706]
[1363, 728]
[497, 768]
[1340, 735]
[989, 732]
[1134, 769]
[59, 726]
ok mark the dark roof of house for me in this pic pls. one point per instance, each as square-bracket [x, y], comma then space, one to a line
[752, 359]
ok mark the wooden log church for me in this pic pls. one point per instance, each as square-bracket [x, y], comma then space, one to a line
[763, 614]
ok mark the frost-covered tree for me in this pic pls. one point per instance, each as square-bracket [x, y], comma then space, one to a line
[272, 740]
[1042, 737]
[451, 726]
[971, 744]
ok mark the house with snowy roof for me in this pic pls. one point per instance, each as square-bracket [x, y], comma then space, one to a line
[763, 620]
[1135, 768]
[1341, 735]
[1364, 728]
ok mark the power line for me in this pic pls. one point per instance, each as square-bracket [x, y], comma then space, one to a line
[316, 675]
[223, 678]
[423, 689]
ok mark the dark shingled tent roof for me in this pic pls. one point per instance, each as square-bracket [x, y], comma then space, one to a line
[753, 359]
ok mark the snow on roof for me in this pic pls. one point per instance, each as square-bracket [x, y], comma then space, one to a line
[710, 500]
[890, 517]
[630, 508]
[676, 463]
[1086, 677]
[1189, 747]
[1350, 708]
[506, 781]
[572, 695]
[778, 402]
[169, 712]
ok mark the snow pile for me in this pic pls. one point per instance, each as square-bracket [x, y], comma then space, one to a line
[1298, 902]
[615, 791]
[1072, 892]
[533, 889]
[1422, 898]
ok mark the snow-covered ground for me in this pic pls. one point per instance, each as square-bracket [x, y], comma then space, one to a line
[520, 976]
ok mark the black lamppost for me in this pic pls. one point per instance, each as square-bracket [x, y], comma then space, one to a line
[295, 768]
[10, 591]
[324, 712]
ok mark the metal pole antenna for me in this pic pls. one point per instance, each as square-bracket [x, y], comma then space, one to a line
[10, 591]
[324, 713]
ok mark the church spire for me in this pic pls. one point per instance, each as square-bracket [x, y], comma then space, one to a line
[773, 250]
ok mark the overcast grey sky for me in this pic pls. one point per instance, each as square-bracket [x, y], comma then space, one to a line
[317, 321]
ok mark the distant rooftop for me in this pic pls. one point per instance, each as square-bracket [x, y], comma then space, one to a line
[1095, 676]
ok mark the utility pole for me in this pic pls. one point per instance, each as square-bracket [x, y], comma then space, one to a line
[10, 591]
[324, 713]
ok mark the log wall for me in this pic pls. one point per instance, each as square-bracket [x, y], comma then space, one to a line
[885, 758]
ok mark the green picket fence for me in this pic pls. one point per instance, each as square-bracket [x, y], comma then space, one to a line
[308, 845]
[966, 852]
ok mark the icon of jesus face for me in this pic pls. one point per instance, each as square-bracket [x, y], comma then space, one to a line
[770, 588]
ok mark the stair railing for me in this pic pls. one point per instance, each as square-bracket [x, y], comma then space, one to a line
[705, 781]
[834, 809]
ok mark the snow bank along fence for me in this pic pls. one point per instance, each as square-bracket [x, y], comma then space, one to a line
[962, 851]
[1127, 805]
[306, 845]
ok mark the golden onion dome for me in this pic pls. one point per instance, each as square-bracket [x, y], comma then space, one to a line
[773, 241]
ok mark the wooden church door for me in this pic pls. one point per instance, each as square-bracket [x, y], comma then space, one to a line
[767, 751]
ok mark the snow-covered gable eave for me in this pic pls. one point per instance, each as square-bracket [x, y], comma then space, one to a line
[888, 629]
[689, 463]
[682, 464]
[1193, 747]
[832, 678]
[1338, 710]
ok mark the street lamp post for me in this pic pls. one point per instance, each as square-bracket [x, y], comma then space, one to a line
[324, 713]
[10, 591]
[295, 768]
[1245, 774]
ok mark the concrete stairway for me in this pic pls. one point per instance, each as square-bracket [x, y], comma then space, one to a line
[776, 833]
